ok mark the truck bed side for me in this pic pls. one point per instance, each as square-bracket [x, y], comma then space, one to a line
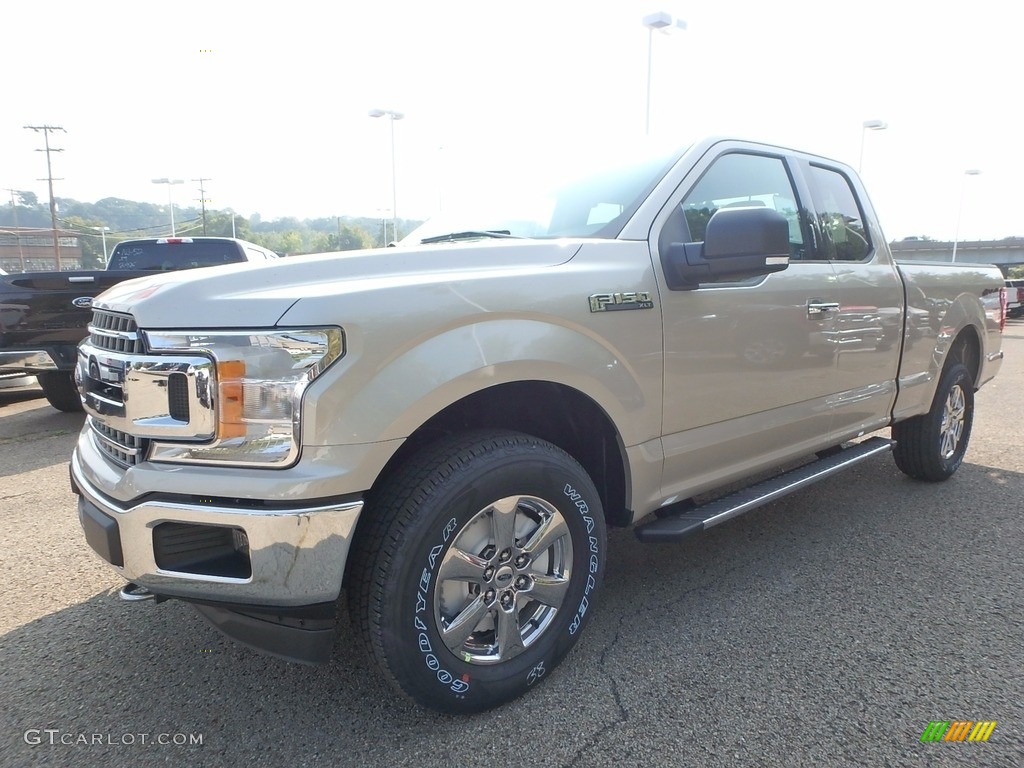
[947, 305]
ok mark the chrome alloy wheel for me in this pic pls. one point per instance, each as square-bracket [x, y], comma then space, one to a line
[502, 579]
[953, 420]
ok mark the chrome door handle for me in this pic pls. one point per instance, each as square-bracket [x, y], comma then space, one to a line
[817, 307]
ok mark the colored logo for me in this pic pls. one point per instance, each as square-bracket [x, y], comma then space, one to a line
[958, 730]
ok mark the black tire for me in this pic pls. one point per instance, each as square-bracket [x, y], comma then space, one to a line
[932, 446]
[437, 557]
[60, 390]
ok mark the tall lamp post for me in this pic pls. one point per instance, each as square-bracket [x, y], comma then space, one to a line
[103, 233]
[394, 186]
[663, 22]
[960, 209]
[868, 125]
[170, 185]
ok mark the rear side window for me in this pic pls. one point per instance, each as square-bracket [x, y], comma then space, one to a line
[163, 257]
[839, 216]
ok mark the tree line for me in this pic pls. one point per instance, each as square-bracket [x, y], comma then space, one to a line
[128, 219]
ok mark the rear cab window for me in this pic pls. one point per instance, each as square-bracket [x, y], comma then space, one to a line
[162, 257]
[839, 216]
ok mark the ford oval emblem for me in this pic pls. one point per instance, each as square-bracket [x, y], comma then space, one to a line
[82, 302]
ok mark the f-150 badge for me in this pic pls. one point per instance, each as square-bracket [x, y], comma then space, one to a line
[614, 302]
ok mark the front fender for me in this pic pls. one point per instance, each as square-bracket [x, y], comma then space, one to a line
[369, 398]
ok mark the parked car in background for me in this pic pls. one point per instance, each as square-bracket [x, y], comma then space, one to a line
[43, 315]
[1014, 298]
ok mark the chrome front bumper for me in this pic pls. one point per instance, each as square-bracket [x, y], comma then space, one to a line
[296, 554]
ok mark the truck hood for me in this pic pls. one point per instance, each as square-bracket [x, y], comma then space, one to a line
[258, 294]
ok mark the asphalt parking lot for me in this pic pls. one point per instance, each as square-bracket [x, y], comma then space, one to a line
[827, 629]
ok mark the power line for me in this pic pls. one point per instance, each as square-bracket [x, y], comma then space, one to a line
[128, 232]
[49, 178]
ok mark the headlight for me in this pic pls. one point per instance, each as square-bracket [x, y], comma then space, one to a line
[261, 377]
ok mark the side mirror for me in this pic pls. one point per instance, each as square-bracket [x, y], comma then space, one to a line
[738, 243]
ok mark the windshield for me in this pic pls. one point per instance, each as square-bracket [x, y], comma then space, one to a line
[172, 256]
[596, 202]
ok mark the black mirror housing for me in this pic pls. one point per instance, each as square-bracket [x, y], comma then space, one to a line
[738, 243]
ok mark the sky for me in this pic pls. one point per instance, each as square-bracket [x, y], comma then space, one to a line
[270, 101]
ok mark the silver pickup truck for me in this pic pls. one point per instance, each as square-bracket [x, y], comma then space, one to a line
[444, 431]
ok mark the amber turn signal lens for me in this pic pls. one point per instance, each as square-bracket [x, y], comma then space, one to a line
[230, 374]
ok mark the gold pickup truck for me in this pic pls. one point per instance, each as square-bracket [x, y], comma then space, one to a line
[443, 431]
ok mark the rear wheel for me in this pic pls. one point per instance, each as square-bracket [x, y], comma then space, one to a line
[60, 390]
[932, 446]
[483, 559]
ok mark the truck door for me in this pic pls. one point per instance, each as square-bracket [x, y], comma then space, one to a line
[869, 323]
[749, 370]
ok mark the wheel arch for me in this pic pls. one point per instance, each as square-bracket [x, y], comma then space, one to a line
[966, 349]
[550, 411]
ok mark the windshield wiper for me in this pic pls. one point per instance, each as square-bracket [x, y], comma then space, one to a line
[467, 235]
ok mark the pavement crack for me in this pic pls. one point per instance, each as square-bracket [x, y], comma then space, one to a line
[622, 714]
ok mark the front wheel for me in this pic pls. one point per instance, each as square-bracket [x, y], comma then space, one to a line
[482, 563]
[932, 446]
[60, 390]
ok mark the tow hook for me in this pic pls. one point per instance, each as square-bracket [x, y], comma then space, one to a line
[133, 593]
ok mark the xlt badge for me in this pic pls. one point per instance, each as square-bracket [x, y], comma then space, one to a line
[614, 302]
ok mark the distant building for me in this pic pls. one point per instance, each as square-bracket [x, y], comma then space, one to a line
[25, 249]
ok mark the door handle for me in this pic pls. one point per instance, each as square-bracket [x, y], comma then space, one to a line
[817, 307]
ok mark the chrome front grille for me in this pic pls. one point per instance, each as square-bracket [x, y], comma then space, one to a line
[160, 397]
[126, 450]
[115, 332]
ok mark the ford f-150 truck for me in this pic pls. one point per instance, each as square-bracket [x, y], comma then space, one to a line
[444, 431]
[43, 315]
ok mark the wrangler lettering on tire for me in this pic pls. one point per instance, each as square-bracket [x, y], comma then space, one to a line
[484, 557]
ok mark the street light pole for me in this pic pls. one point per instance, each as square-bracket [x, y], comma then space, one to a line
[170, 185]
[663, 22]
[394, 183]
[17, 229]
[103, 233]
[960, 209]
[868, 125]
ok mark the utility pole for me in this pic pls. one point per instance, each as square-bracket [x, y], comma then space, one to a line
[17, 234]
[202, 199]
[49, 178]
